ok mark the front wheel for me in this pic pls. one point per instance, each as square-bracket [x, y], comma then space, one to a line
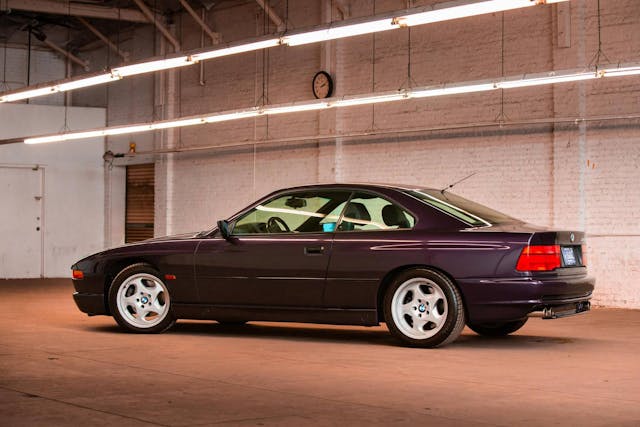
[497, 329]
[423, 308]
[139, 300]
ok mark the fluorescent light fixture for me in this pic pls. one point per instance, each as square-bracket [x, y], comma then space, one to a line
[620, 70]
[233, 115]
[122, 130]
[232, 50]
[449, 11]
[151, 66]
[294, 108]
[354, 100]
[65, 136]
[32, 93]
[90, 81]
[549, 78]
[339, 31]
[451, 90]
[177, 123]
[369, 99]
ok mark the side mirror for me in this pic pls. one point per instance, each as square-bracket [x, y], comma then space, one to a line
[223, 226]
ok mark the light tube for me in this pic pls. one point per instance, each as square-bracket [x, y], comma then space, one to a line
[451, 90]
[151, 66]
[340, 31]
[545, 80]
[466, 10]
[374, 99]
[90, 81]
[65, 136]
[234, 115]
[33, 93]
[295, 108]
[247, 47]
[177, 123]
[621, 70]
[122, 130]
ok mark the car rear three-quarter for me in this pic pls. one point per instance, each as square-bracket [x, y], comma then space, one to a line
[507, 270]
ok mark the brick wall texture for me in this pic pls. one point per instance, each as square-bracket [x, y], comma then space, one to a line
[568, 175]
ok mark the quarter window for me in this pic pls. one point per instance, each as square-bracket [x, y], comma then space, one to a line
[307, 212]
[369, 212]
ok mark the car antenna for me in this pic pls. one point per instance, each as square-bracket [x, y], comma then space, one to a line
[457, 182]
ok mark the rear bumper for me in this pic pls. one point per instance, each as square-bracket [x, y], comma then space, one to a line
[92, 304]
[491, 300]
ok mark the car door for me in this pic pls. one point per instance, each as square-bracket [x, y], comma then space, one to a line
[374, 237]
[277, 255]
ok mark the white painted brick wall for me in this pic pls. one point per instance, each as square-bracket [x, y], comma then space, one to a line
[540, 173]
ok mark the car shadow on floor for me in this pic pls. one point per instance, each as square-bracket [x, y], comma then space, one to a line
[347, 334]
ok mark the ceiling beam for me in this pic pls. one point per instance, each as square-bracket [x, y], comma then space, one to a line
[84, 64]
[105, 39]
[159, 25]
[344, 9]
[272, 15]
[215, 37]
[73, 9]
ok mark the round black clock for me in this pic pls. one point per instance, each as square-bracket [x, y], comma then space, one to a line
[322, 85]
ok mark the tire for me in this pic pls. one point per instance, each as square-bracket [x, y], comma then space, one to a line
[139, 300]
[497, 329]
[423, 308]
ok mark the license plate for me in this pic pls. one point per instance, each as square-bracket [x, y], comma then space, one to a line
[568, 256]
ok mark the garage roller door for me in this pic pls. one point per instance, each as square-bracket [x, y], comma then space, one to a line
[140, 203]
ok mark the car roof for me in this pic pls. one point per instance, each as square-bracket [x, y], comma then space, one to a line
[362, 185]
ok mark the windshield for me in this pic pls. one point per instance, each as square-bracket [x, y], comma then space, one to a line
[458, 207]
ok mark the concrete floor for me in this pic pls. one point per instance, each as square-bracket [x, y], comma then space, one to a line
[60, 367]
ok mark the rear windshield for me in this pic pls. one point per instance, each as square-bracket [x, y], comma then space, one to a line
[458, 207]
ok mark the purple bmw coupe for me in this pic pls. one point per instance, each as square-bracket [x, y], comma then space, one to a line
[426, 262]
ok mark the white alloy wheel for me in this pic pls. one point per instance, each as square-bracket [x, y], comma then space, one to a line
[143, 300]
[419, 308]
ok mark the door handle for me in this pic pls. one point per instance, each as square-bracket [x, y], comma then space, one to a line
[313, 250]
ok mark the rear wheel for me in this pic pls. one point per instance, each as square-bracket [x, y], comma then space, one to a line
[139, 300]
[423, 308]
[497, 329]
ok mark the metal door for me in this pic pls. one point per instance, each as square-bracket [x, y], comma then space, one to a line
[21, 222]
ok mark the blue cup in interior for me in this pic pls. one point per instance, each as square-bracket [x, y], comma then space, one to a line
[329, 227]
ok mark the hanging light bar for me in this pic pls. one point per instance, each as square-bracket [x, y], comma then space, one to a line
[370, 99]
[464, 9]
[548, 78]
[59, 87]
[296, 107]
[86, 82]
[620, 70]
[340, 31]
[354, 100]
[348, 28]
[152, 66]
[235, 49]
[452, 89]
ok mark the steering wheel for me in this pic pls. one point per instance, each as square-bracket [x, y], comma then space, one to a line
[277, 225]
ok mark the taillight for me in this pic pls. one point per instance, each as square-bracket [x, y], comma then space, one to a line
[539, 258]
[78, 275]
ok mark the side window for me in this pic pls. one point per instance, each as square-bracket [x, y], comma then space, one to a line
[303, 212]
[370, 212]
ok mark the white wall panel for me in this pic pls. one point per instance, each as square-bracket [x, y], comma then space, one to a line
[73, 197]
